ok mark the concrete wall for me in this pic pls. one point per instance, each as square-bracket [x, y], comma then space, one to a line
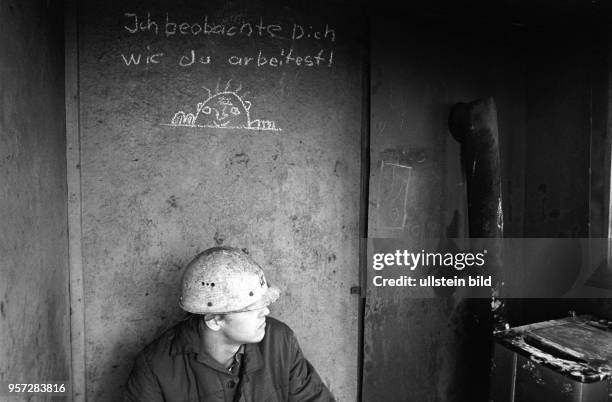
[422, 63]
[154, 195]
[34, 307]
[561, 88]
[420, 69]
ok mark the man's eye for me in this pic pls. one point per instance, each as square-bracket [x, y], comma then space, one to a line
[235, 110]
[206, 109]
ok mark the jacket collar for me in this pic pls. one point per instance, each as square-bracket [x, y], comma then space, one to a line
[187, 339]
[253, 360]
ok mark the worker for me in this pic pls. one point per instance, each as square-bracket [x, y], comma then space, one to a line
[227, 349]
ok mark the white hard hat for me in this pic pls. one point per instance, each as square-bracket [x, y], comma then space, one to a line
[225, 280]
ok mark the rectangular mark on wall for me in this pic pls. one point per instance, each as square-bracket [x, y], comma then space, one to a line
[392, 198]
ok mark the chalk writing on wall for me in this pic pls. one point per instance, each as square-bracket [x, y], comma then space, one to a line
[283, 38]
[233, 28]
[224, 108]
[260, 59]
[393, 188]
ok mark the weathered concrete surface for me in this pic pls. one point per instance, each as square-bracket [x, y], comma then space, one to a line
[563, 95]
[418, 349]
[154, 195]
[539, 78]
[34, 307]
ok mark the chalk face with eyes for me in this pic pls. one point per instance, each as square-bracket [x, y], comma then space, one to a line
[225, 109]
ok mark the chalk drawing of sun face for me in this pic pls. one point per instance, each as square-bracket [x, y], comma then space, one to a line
[225, 108]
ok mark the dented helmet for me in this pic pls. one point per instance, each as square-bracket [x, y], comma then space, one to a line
[225, 280]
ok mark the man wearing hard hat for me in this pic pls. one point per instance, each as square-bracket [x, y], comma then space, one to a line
[226, 350]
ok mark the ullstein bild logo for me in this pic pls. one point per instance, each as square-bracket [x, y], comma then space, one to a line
[432, 281]
[410, 260]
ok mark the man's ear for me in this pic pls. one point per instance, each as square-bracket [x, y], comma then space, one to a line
[214, 323]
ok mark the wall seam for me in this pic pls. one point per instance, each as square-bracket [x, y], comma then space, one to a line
[73, 172]
[364, 202]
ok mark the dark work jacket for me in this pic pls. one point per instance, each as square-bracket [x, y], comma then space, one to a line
[174, 368]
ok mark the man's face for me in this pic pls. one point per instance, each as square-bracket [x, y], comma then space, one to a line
[246, 326]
